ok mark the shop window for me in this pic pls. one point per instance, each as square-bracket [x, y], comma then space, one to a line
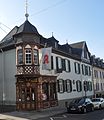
[20, 56]
[28, 56]
[33, 94]
[78, 85]
[45, 91]
[28, 95]
[52, 91]
[23, 94]
[68, 85]
[36, 60]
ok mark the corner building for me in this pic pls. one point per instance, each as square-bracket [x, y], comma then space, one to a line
[39, 73]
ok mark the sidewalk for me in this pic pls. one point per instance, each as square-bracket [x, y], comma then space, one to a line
[31, 115]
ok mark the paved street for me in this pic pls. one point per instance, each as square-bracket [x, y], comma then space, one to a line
[96, 115]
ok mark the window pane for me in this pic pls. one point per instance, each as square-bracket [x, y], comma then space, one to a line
[68, 85]
[45, 91]
[53, 91]
[20, 56]
[78, 85]
[28, 56]
[60, 85]
[35, 57]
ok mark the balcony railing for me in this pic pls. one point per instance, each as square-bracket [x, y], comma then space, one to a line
[28, 70]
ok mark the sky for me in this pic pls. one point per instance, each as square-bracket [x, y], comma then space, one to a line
[70, 20]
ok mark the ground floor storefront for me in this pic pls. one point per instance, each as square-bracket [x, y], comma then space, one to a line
[35, 93]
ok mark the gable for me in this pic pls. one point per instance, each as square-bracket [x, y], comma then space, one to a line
[85, 53]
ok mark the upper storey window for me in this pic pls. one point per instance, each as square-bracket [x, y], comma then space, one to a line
[28, 56]
[20, 56]
[36, 60]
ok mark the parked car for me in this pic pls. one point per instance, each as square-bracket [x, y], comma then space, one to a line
[98, 103]
[80, 105]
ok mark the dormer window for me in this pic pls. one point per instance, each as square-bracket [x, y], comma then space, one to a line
[20, 56]
[28, 56]
[56, 45]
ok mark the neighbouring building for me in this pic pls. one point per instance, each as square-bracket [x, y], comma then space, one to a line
[38, 73]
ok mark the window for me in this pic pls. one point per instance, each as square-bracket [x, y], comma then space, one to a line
[45, 91]
[100, 74]
[86, 70]
[83, 69]
[68, 85]
[36, 61]
[20, 56]
[68, 69]
[85, 86]
[96, 73]
[78, 85]
[52, 91]
[89, 70]
[60, 85]
[58, 64]
[63, 64]
[90, 86]
[28, 56]
[77, 67]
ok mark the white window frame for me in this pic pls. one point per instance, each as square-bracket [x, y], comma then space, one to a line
[36, 54]
[28, 53]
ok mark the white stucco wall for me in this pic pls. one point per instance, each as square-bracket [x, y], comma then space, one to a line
[69, 75]
[7, 74]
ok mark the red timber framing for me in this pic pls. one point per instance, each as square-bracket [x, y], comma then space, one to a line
[36, 93]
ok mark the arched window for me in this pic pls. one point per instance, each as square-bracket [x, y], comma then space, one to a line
[28, 56]
[78, 85]
[20, 56]
[68, 85]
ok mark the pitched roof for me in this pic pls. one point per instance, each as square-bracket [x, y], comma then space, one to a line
[27, 27]
[53, 39]
[78, 45]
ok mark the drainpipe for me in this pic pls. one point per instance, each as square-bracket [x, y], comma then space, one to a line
[3, 92]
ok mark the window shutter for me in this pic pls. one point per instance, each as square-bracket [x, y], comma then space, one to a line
[56, 63]
[64, 87]
[75, 67]
[82, 69]
[78, 68]
[51, 62]
[69, 68]
[58, 86]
